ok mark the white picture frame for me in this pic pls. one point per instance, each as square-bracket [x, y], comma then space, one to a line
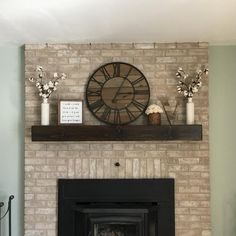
[70, 112]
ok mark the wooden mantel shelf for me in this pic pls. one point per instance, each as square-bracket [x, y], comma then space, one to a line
[116, 133]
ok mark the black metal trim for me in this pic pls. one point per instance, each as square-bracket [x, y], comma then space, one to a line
[73, 192]
[4, 215]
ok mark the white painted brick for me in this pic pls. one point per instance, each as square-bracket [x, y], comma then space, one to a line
[187, 162]
[144, 45]
[71, 168]
[136, 171]
[92, 168]
[128, 168]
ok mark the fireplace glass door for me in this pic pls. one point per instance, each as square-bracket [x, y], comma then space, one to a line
[117, 226]
[111, 221]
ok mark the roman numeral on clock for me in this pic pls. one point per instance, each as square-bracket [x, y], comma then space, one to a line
[96, 106]
[106, 113]
[105, 73]
[130, 114]
[138, 105]
[117, 119]
[96, 81]
[94, 93]
[137, 80]
[116, 70]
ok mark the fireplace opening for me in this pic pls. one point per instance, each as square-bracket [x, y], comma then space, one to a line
[121, 229]
[116, 207]
[102, 219]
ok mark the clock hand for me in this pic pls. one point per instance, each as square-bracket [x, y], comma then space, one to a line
[118, 91]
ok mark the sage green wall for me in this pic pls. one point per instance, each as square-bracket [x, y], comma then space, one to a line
[222, 136]
[222, 139]
[11, 134]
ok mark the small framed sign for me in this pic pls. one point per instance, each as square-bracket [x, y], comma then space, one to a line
[70, 112]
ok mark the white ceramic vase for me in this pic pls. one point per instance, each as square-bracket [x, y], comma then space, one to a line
[45, 112]
[190, 112]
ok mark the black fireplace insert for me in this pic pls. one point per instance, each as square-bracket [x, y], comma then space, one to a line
[116, 207]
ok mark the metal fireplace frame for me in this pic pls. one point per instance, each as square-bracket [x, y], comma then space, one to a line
[72, 192]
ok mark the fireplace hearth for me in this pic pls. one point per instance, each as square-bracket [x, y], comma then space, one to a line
[116, 207]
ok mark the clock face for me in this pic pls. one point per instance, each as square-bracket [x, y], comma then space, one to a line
[117, 93]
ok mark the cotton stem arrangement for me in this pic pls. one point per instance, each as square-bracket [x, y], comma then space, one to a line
[188, 85]
[46, 88]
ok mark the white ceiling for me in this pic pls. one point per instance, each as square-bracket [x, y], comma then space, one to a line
[80, 21]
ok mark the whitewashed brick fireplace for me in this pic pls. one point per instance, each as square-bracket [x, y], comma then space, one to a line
[186, 161]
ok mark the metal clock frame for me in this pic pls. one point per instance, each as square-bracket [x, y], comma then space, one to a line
[112, 63]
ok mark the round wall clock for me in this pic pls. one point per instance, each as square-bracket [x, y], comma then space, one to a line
[117, 93]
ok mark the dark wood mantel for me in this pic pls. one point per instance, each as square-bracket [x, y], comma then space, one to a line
[116, 133]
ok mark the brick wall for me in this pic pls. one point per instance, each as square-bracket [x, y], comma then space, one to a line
[186, 161]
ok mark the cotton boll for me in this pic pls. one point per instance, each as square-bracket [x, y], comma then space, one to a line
[50, 84]
[63, 76]
[46, 87]
[39, 68]
[195, 89]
